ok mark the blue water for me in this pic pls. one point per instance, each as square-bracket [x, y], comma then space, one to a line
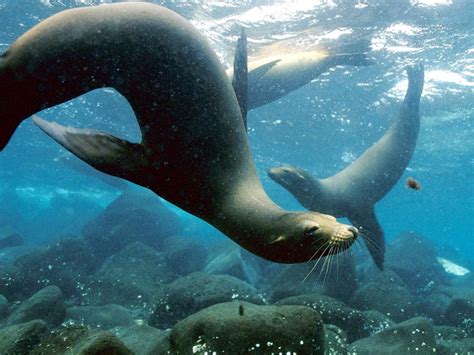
[321, 127]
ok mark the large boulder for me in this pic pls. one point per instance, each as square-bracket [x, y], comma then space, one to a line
[386, 294]
[233, 262]
[196, 291]
[355, 323]
[47, 305]
[403, 257]
[80, 340]
[143, 339]
[22, 338]
[105, 317]
[66, 264]
[9, 237]
[184, 254]
[241, 327]
[460, 313]
[135, 216]
[414, 336]
[130, 277]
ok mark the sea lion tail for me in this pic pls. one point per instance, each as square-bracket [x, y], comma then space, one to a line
[101, 150]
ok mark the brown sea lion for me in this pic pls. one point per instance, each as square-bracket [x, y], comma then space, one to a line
[194, 150]
[273, 77]
[353, 192]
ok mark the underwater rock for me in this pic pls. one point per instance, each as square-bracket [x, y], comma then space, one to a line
[10, 238]
[335, 277]
[355, 323]
[105, 317]
[414, 336]
[266, 329]
[434, 306]
[47, 305]
[199, 290]
[184, 254]
[22, 338]
[234, 264]
[335, 340]
[460, 313]
[414, 259]
[143, 339]
[135, 216]
[66, 264]
[130, 277]
[386, 295]
[80, 340]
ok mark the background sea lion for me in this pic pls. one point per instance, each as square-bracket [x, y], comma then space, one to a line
[270, 78]
[353, 192]
[194, 150]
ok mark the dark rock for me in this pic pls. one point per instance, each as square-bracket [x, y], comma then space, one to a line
[335, 340]
[135, 216]
[21, 338]
[130, 277]
[455, 347]
[460, 313]
[434, 306]
[10, 238]
[9, 255]
[413, 258]
[66, 264]
[47, 304]
[11, 285]
[233, 263]
[106, 317]
[143, 339]
[184, 254]
[266, 329]
[355, 323]
[334, 276]
[81, 340]
[196, 291]
[414, 336]
[388, 297]
[376, 321]
[447, 333]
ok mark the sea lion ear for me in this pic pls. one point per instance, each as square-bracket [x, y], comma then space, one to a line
[101, 150]
[280, 238]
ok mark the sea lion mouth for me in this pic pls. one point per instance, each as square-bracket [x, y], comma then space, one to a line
[345, 235]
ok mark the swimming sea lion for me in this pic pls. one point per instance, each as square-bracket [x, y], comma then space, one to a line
[271, 78]
[353, 192]
[194, 150]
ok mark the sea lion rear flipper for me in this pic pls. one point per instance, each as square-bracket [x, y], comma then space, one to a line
[101, 150]
[372, 232]
[240, 79]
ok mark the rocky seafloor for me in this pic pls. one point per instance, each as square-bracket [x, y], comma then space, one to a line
[131, 284]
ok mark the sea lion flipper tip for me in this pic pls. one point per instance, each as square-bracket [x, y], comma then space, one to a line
[240, 79]
[102, 150]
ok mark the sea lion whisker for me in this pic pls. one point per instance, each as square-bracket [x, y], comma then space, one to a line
[317, 251]
[326, 259]
[328, 243]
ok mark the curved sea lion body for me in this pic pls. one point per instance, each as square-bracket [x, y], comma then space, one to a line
[271, 78]
[353, 192]
[194, 150]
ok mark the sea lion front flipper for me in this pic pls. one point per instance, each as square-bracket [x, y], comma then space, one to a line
[240, 78]
[372, 232]
[101, 150]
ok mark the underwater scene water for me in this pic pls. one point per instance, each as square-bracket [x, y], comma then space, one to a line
[94, 264]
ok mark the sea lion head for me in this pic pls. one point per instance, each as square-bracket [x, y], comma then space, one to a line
[290, 177]
[310, 235]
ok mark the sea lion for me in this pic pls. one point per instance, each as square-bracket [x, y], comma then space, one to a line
[271, 78]
[353, 192]
[194, 150]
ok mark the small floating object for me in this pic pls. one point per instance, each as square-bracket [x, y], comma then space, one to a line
[452, 268]
[413, 184]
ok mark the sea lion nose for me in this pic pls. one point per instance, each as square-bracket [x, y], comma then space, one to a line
[354, 230]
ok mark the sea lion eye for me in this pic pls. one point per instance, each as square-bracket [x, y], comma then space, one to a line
[309, 232]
